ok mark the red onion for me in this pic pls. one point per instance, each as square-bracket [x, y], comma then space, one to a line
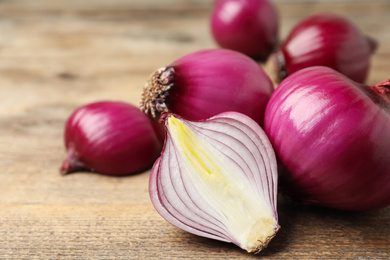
[108, 137]
[247, 26]
[217, 178]
[324, 40]
[208, 82]
[332, 137]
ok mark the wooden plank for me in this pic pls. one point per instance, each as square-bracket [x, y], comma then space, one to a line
[136, 231]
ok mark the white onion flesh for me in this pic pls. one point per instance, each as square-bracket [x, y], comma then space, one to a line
[217, 178]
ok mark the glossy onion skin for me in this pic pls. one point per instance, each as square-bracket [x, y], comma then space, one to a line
[248, 26]
[109, 137]
[209, 82]
[328, 40]
[332, 137]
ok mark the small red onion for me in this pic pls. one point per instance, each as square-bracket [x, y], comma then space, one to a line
[324, 40]
[112, 138]
[247, 26]
[208, 82]
[332, 137]
[217, 178]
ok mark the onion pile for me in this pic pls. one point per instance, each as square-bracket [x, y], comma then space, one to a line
[217, 173]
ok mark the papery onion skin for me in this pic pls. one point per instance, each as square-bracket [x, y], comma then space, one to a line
[331, 136]
[248, 26]
[110, 137]
[208, 82]
[187, 196]
[324, 40]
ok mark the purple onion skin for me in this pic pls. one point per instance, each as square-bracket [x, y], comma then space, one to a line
[112, 138]
[327, 40]
[247, 26]
[210, 82]
[331, 136]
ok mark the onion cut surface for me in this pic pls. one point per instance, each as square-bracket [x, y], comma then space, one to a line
[217, 178]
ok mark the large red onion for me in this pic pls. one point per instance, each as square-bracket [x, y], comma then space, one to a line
[109, 137]
[247, 26]
[332, 136]
[208, 82]
[324, 40]
[217, 178]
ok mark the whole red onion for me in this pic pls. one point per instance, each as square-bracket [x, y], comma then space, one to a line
[247, 26]
[324, 40]
[109, 137]
[208, 82]
[331, 135]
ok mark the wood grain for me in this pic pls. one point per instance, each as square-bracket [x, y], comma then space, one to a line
[58, 55]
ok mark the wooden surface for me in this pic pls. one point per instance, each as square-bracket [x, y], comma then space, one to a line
[58, 55]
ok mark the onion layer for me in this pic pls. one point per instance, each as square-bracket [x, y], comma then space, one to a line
[108, 137]
[208, 82]
[332, 137]
[218, 179]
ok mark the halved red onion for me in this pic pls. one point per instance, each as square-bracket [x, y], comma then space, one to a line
[208, 82]
[332, 137]
[248, 26]
[110, 137]
[324, 40]
[217, 178]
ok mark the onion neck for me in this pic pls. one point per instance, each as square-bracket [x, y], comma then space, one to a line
[71, 164]
[383, 90]
[153, 100]
[276, 67]
[372, 44]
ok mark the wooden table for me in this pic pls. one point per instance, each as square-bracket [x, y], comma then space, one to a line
[58, 55]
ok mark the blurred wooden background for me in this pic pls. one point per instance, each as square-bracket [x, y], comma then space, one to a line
[57, 55]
